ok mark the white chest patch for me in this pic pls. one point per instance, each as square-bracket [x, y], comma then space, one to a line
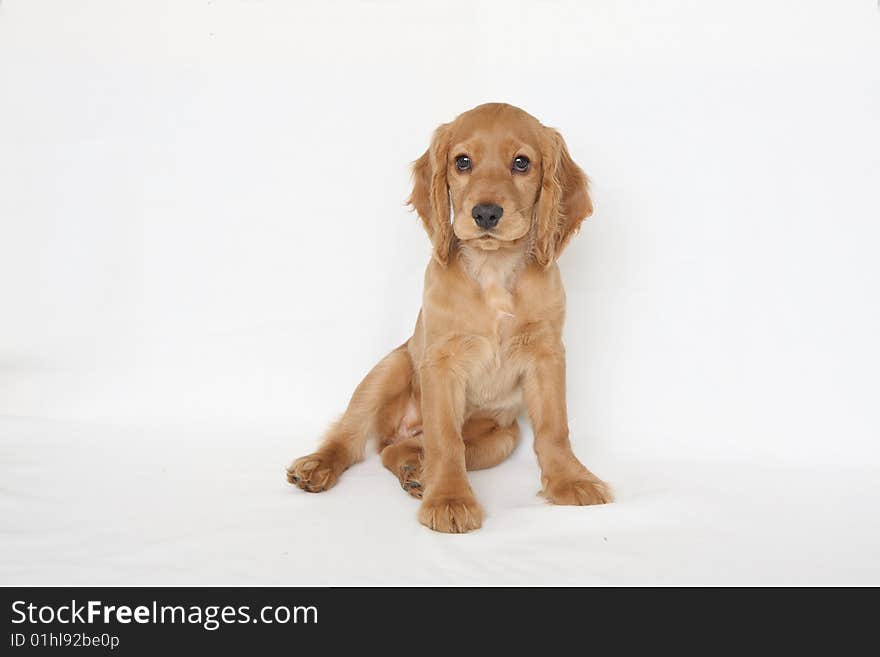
[495, 273]
[498, 297]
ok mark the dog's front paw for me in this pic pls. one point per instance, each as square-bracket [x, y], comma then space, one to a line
[579, 490]
[316, 472]
[453, 514]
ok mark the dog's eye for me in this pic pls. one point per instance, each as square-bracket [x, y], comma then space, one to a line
[521, 163]
[463, 163]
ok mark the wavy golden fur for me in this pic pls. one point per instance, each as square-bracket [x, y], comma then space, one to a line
[488, 340]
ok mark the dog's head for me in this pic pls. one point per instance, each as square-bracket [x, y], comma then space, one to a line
[496, 176]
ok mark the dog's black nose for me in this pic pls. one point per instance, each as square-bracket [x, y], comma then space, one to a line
[487, 215]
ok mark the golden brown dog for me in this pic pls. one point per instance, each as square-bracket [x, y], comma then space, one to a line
[500, 198]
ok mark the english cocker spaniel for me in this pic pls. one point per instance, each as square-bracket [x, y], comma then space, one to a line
[500, 197]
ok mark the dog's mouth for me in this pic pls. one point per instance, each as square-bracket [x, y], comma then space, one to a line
[487, 242]
[492, 242]
[492, 239]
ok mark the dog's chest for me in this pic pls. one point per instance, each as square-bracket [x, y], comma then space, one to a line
[499, 303]
[497, 385]
[495, 277]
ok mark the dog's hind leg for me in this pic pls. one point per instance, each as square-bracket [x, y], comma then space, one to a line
[404, 459]
[401, 442]
[376, 401]
[487, 443]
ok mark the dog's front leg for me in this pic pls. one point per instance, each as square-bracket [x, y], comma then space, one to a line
[448, 504]
[564, 479]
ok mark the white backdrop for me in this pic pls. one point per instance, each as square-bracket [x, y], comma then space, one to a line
[181, 183]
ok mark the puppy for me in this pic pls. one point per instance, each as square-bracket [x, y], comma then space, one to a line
[500, 197]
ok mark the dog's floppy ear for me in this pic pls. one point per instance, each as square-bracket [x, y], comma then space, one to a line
[430, 194]
[564, 202]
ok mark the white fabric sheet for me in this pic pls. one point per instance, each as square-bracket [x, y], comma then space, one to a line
[87, 503]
